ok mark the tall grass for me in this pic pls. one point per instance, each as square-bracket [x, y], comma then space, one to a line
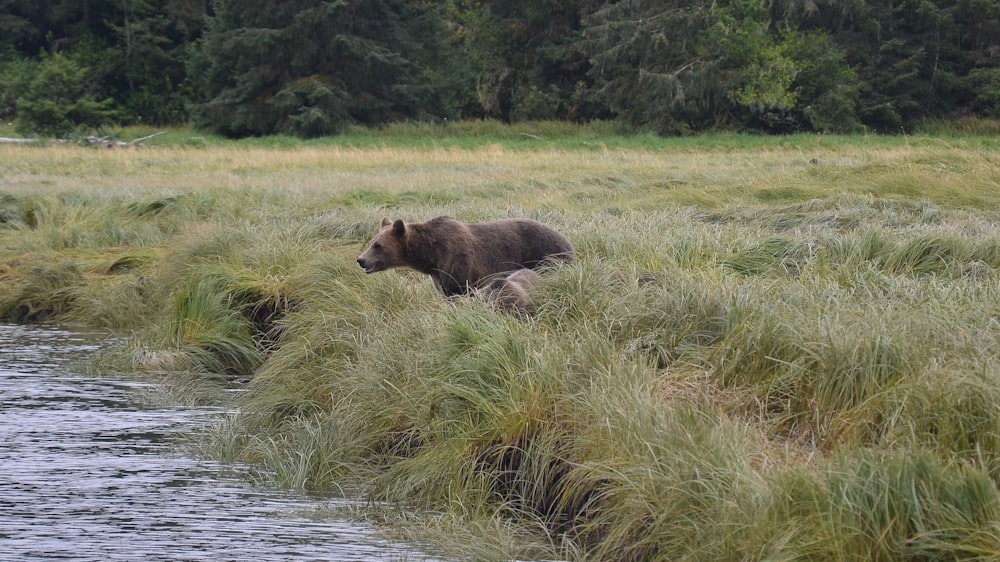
[902, 505]
[768, 349]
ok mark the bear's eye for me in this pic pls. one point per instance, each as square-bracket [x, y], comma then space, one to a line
[377, 246]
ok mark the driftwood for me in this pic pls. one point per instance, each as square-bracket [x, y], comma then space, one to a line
[108, 143]
[94, 141]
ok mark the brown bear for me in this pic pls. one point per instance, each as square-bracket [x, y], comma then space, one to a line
[458, 256]
[513, 293]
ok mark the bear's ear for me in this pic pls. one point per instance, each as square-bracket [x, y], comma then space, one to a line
[399, 228]
[386, 221]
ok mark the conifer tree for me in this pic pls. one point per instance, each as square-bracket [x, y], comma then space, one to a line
[309, 67]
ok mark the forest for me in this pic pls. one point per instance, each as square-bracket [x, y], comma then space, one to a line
[312, 68]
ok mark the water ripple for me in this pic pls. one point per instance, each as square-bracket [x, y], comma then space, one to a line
[88, 473]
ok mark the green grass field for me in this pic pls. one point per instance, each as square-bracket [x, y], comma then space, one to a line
[768, 348]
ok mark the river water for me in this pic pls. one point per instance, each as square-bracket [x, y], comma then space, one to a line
[87, 472]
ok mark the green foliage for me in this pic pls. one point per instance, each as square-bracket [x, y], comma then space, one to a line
[525, 57]
[724, 64]
[827, 88]
[315, 109]
[649, 77]
[57, 100]
[145, 72]
[311, 68]
[765, 71]
[988, 88]
[133, 49]
[15, 77]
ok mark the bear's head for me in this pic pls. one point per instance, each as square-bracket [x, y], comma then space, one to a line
[385, 251]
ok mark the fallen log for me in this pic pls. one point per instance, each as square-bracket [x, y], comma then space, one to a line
[99, 141]
[108, 143]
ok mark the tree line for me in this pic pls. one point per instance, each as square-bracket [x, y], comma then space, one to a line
[311, 68]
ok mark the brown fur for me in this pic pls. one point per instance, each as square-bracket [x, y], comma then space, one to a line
[457, 255]
[514, 292]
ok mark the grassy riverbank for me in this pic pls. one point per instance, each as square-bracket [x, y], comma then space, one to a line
[768, 349]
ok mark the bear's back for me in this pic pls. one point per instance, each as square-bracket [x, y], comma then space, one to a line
[519, 244]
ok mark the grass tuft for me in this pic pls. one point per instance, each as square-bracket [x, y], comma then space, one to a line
[878, 506]
[45, 291]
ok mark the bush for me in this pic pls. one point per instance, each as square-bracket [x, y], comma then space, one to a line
[58, 100]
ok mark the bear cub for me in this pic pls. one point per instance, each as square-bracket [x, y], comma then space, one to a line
[458, 256]
[512, 293]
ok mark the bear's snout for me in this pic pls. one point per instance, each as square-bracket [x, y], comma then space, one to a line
[368, 267]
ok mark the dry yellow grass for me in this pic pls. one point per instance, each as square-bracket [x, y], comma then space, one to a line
[709, 177]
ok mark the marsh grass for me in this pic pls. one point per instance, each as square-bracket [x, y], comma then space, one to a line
[45, 290]
[767, 348]
[877, 506]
